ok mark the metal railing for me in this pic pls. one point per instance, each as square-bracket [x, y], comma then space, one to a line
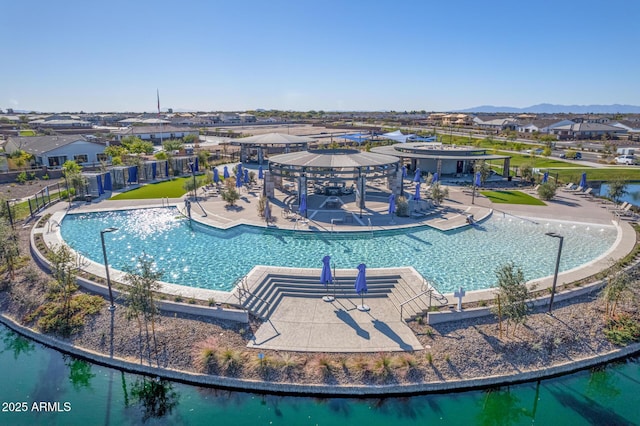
[434, 294]
[244, 292]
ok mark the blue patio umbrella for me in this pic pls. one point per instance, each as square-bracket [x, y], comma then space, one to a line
[416, 196]
[404, 172]
[225, 172]
[260, 173]
[583, 180]
[361, 286]
[216, 177]
[325, 276]
[435, 178]
[239, 169]
[246, 176]
[478, 180]
[417, 176]
[392, 204]
[239, 180]
[303, 205]
[545, 177]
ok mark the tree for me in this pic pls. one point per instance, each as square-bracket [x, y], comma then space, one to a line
[9, 249]
[135, 145]
[191, 139]
[546, 191]
[64, 272]
[512, 294]
[619, 288]
[526, 171]
[438, 193]
[484, 169]
[141, 306]
[114, 151]
[172, 145]
[617, 188]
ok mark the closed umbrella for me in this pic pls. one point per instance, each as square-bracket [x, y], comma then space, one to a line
[239, 169]
[225, 172]
[361, 286]
[325, 277]
[302, 209]
[416, 196]
[239, 180]
[404, 172]
[260, 173]
[246, 176]
[545, 177]
[417, 177]
[436, 177]
[216, 176]
[583, 180]
[478, 180]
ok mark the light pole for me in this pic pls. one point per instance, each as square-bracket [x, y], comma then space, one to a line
[555, 274]
[106, 265]
[193, 173]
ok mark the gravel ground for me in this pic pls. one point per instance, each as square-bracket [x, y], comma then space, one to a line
[460, 350]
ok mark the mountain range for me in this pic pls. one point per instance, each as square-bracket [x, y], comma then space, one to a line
[559, 109]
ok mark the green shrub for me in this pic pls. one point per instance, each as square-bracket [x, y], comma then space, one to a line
[623, 330]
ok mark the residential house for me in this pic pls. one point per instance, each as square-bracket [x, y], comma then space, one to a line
[587, 131]
[53, 151]
[497, 124]
[155, 134]
[540, 126]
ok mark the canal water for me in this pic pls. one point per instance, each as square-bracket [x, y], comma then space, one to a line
[39, 385]
[632, 193]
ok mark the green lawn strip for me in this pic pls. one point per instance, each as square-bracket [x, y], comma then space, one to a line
[609, 174]
[512, 197]
[27, 133]
[171, 188]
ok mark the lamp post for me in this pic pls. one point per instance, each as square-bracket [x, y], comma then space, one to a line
[106, 265]
[193, 173]
[555, 274]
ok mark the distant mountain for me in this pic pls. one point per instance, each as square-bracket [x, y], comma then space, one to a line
[559, 109]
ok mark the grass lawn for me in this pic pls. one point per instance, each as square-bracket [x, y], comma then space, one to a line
[512, 197]
[171, 188]
[27, 133]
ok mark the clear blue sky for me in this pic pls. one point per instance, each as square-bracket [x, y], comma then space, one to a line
[325, 55]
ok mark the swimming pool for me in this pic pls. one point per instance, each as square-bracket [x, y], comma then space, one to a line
[201, 256]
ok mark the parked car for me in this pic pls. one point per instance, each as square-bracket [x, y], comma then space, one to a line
[578, 156]
[626, 159]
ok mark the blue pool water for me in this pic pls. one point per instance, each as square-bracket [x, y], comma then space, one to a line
[200, 256]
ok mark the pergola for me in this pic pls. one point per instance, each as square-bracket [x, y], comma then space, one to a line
[261, 145]
[333, 168]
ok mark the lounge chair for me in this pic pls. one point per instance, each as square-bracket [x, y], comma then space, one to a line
[618, 207]
[568, 187]
[587, 192]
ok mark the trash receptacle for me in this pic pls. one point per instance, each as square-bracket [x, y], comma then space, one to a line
[509, 178]
[87, 198]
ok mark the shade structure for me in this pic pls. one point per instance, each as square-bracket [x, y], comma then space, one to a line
[225, 172]
[392, 204]
[267, 211]
[246, 176]
[417, 177]
[583, 180]
[545, 177]
[216, 176]
[478, 180]
[436, 178]
[361, 286]
[260, 173]
[416, 196]
[302, 209]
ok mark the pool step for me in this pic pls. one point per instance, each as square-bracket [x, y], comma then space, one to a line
[265, 293]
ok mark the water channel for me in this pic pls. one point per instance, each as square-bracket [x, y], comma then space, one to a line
[69, 391]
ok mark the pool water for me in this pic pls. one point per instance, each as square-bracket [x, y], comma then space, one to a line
[201, 256]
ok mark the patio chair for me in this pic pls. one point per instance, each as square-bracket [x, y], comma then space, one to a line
[587, 192]
[568, 187]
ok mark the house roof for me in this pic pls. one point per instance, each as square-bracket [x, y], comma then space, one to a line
[138, 130]
[590, 127]
[38, 145]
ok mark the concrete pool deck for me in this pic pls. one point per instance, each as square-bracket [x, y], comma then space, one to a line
[309, 324]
